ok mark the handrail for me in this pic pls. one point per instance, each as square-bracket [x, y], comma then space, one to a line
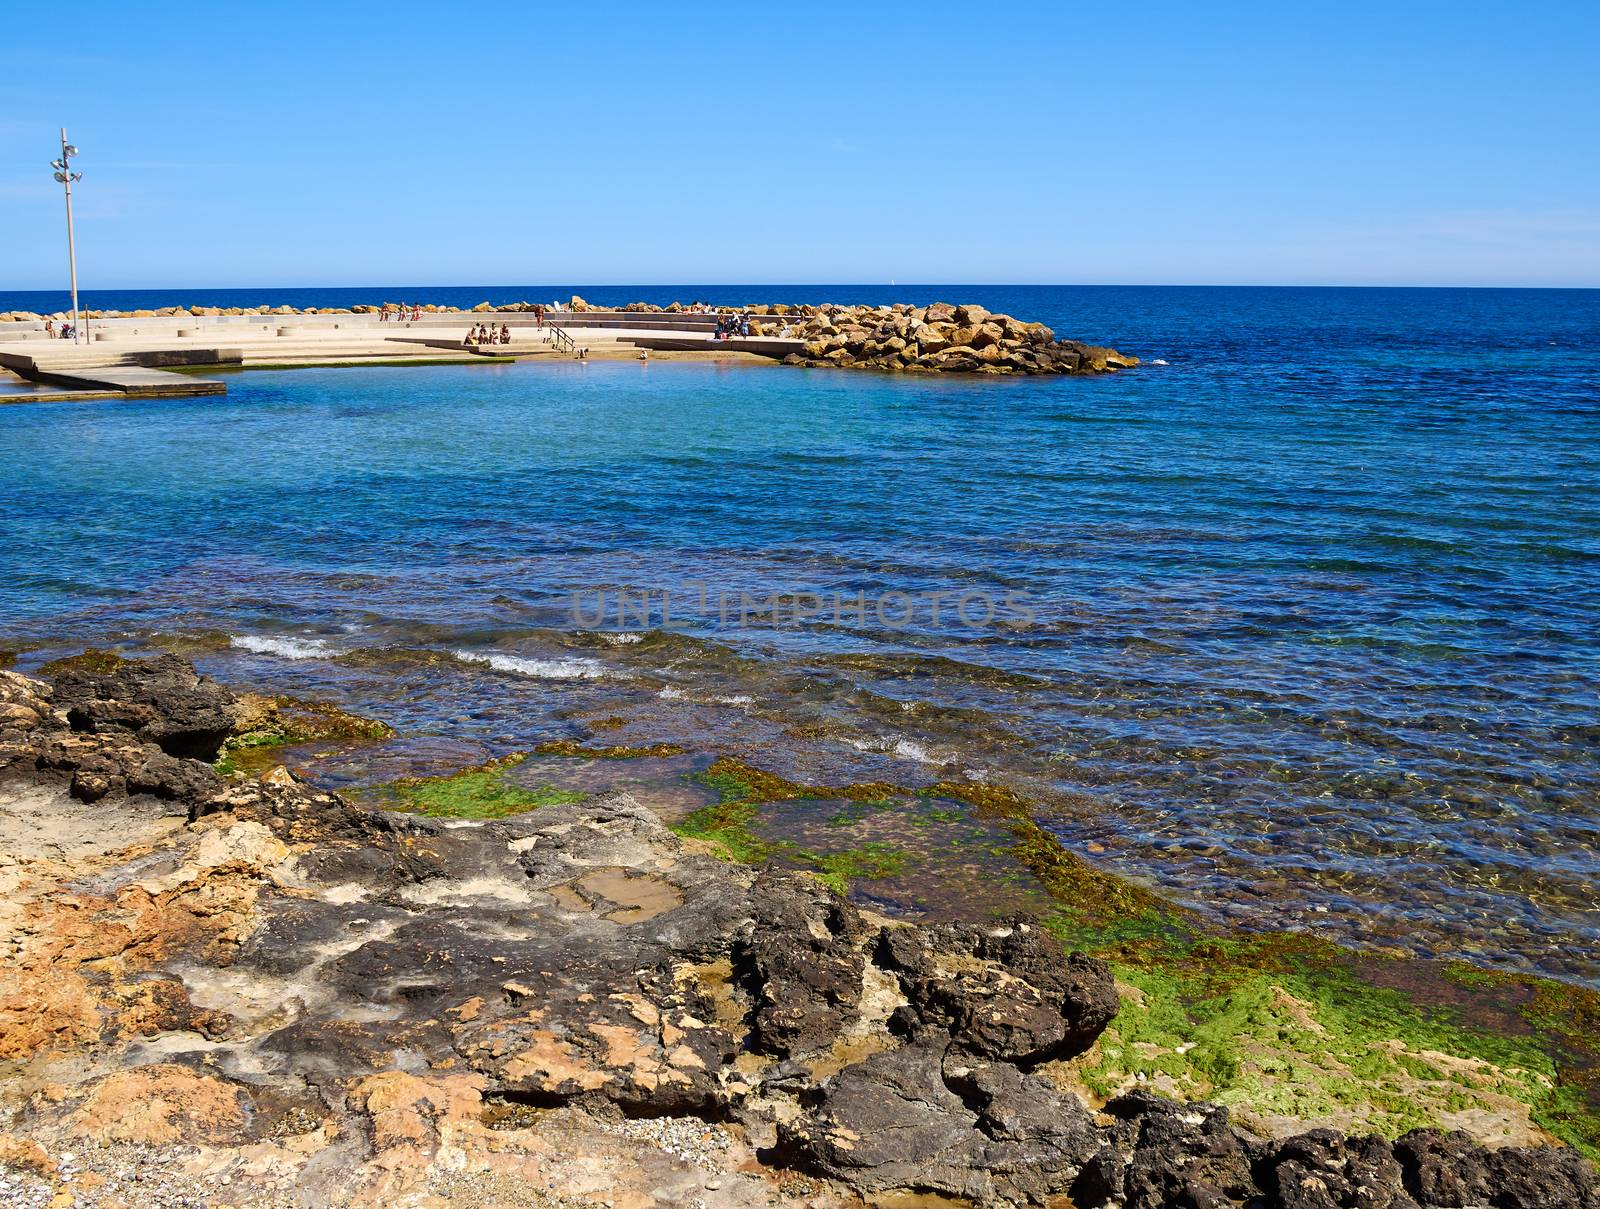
[564, 342]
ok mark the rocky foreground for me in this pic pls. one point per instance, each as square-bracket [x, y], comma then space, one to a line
[244, 991]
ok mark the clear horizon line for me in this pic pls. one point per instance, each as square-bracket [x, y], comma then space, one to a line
[877, 285]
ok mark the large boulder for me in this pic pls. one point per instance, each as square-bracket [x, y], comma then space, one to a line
[161, 701]
[1543, 1177]
[1324, 1169]
[912, 1119]
[1185, 1155]
[801, 960]
[1008, 993]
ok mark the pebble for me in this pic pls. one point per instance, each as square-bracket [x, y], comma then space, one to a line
[128, 1174]
[687, 1139]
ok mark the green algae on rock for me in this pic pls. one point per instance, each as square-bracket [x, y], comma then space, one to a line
[263, 724]
[726, 826]
[92, 660]
[483, 792]
[572, 748]
[190, 643]
[1098, 899]
[1286, 1031]
[1289, 1030]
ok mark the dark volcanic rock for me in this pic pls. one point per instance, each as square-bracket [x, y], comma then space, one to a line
[801, 959]
[160, 700]
[1008, 992]
[1326, 1170]
[1452, 1171]
[38, 743]
[1542, 1178]
[908, 1119]
[1447, 1169]
[1185, 1156]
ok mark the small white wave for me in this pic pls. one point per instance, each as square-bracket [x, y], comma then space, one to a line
[540, 669]
[621, 637]
[669, 693]
[907, 750]
[897, 746]
[1160, 361]
[285, 648]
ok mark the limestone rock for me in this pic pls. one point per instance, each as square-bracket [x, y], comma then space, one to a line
[948, 339]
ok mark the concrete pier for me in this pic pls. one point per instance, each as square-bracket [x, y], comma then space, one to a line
[126, 357]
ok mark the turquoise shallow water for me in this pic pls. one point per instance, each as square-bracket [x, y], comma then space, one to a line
[1310, 609]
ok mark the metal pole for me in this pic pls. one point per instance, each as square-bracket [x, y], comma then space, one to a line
[72, 252]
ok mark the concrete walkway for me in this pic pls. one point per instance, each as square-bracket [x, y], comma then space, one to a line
[130, 356]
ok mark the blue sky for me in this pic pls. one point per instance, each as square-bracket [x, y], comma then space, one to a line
[392, 143]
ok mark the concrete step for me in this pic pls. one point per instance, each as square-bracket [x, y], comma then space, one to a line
[136, 382]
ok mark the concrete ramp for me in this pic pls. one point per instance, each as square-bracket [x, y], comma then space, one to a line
[131, 381]
[135, 381]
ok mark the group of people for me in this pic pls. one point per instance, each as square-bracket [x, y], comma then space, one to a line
[487, 333]
[401, 313]
[732, 325]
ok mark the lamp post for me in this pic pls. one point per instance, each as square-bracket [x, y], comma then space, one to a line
[65, 175]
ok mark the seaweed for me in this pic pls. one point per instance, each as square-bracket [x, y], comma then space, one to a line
[1278, 1024]
[483, 792]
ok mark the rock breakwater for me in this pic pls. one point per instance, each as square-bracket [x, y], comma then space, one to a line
[226, 989]
[945, 338]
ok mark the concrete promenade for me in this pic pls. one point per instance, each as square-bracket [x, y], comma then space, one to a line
[136, 357]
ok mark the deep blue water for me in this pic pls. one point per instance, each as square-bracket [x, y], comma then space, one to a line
[1312, 606]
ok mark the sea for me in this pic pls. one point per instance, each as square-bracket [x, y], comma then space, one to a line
[1297, 622]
